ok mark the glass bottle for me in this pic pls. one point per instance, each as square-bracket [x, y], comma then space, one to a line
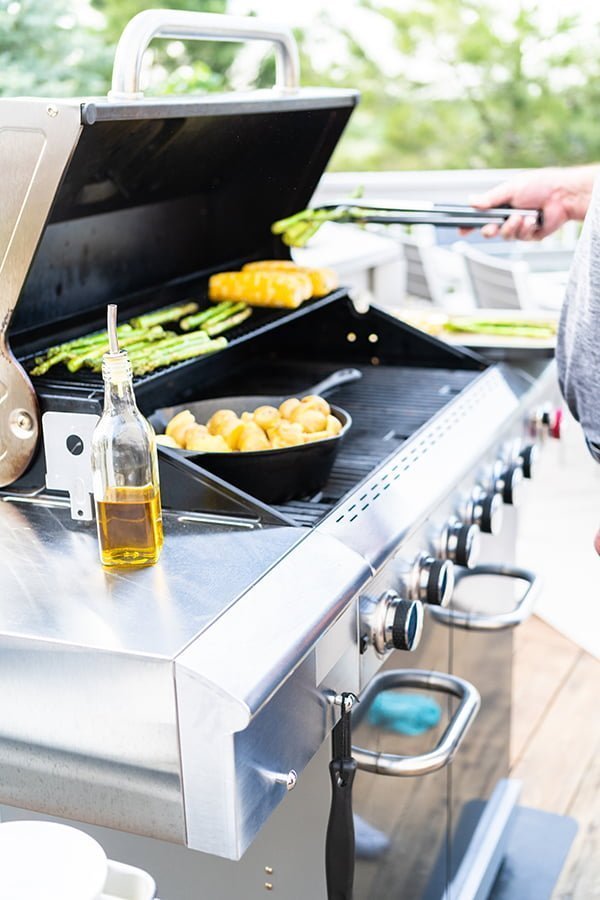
[125, 468]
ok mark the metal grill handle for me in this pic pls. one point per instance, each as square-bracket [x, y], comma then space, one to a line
[473, 621]
[197, 26]
[443, 752]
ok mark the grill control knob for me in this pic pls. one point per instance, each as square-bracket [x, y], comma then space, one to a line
[485, 510]
[461, 544]
[548, 421]
[509, 484]
[406, 624]
[529, 458]
[435, 580]
[393, 622]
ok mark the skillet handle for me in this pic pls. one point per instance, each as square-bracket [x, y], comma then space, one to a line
[335, 380]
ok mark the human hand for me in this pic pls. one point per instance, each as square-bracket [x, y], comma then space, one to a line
[597, 542]
[561, 194]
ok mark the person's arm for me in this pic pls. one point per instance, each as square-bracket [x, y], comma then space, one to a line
[562, 194]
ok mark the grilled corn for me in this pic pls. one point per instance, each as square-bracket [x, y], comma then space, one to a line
[323, 280]
[286, 290]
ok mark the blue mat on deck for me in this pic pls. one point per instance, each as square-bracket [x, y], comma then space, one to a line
[537, 849]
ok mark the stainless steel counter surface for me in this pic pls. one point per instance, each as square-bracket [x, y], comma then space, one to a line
[53, 588]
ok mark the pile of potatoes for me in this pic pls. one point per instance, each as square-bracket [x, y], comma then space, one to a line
[267, 428]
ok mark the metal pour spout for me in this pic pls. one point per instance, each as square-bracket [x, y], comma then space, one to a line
[111, 326]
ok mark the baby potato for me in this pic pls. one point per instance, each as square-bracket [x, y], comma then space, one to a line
[313, 401]
[178, 426]
[334, 426]
[287, 407]
[232, 432]
[317, 436]
[286, 434]
[194, 433]
[165, 440]
[207, 443]
[310, 419]
[252, 437]
[219, 420]
[266, 416]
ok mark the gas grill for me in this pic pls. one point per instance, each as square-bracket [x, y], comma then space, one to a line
[179, 705]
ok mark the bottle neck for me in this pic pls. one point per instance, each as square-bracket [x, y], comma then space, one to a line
[118, 383]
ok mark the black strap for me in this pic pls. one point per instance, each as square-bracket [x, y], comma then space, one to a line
[339, 850]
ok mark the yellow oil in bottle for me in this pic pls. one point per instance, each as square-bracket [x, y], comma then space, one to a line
[130, 526]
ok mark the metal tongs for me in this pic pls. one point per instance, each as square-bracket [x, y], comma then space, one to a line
[297, 229]
[438, 214]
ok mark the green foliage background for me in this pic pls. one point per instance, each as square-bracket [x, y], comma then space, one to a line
[475, 86]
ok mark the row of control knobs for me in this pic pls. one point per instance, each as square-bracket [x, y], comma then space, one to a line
[396, 622]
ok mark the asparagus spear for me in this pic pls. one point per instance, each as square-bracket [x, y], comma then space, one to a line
[503, 329]
[187, 350]
[166, 314]
[138, 338]
[226, 324]
[206, 315]
[97, 337]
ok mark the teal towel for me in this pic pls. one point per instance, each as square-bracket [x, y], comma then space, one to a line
[404, 713]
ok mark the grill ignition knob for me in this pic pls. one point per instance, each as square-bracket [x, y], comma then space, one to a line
[461, 544]
[529, 458]
[509, 483]
[406, 625]
[393, 622]
[435, 580]
[486, 511]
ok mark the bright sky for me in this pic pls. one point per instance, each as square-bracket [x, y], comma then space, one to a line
[301, 14]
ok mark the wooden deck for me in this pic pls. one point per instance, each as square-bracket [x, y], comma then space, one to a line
[555, 744]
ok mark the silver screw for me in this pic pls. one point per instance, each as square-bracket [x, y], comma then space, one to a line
[52, 111]
[292, 780]
[268, 870]
[268, 886]
[24, 421]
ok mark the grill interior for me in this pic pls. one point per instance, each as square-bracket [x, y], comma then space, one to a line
[388, 405]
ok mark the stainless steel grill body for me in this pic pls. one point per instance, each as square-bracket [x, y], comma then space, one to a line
[196, 686]
[180, 703]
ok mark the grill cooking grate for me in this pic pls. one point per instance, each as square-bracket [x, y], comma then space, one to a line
[387, 406]
[262, 320]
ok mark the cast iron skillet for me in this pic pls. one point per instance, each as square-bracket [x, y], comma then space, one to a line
[272, 476]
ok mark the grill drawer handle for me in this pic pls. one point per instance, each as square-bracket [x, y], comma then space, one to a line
[474, 621]
[443, 752]
[197, 26]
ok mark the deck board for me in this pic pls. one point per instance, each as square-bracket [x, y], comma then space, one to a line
[555, 746]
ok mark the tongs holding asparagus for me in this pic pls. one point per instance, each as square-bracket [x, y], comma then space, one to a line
[296, 230]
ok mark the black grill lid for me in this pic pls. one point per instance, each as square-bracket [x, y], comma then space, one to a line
[156, 192]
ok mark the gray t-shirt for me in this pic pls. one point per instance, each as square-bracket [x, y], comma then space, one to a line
[578, 345]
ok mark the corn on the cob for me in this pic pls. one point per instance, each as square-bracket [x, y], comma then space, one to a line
[323, 280]
[276, 289]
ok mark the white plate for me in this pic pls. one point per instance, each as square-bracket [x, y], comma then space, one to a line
[48, 861]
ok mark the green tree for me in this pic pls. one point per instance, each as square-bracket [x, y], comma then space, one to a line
[476, 86]
[201, 66]
[45, 50]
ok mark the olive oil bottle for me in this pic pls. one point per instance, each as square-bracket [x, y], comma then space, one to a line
[125, 468]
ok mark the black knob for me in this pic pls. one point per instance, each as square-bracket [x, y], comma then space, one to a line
[491, 513]
[407, 624]
[462, 544]
[511, 480]
[435, 580]
[529, 456]
[486, 510]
